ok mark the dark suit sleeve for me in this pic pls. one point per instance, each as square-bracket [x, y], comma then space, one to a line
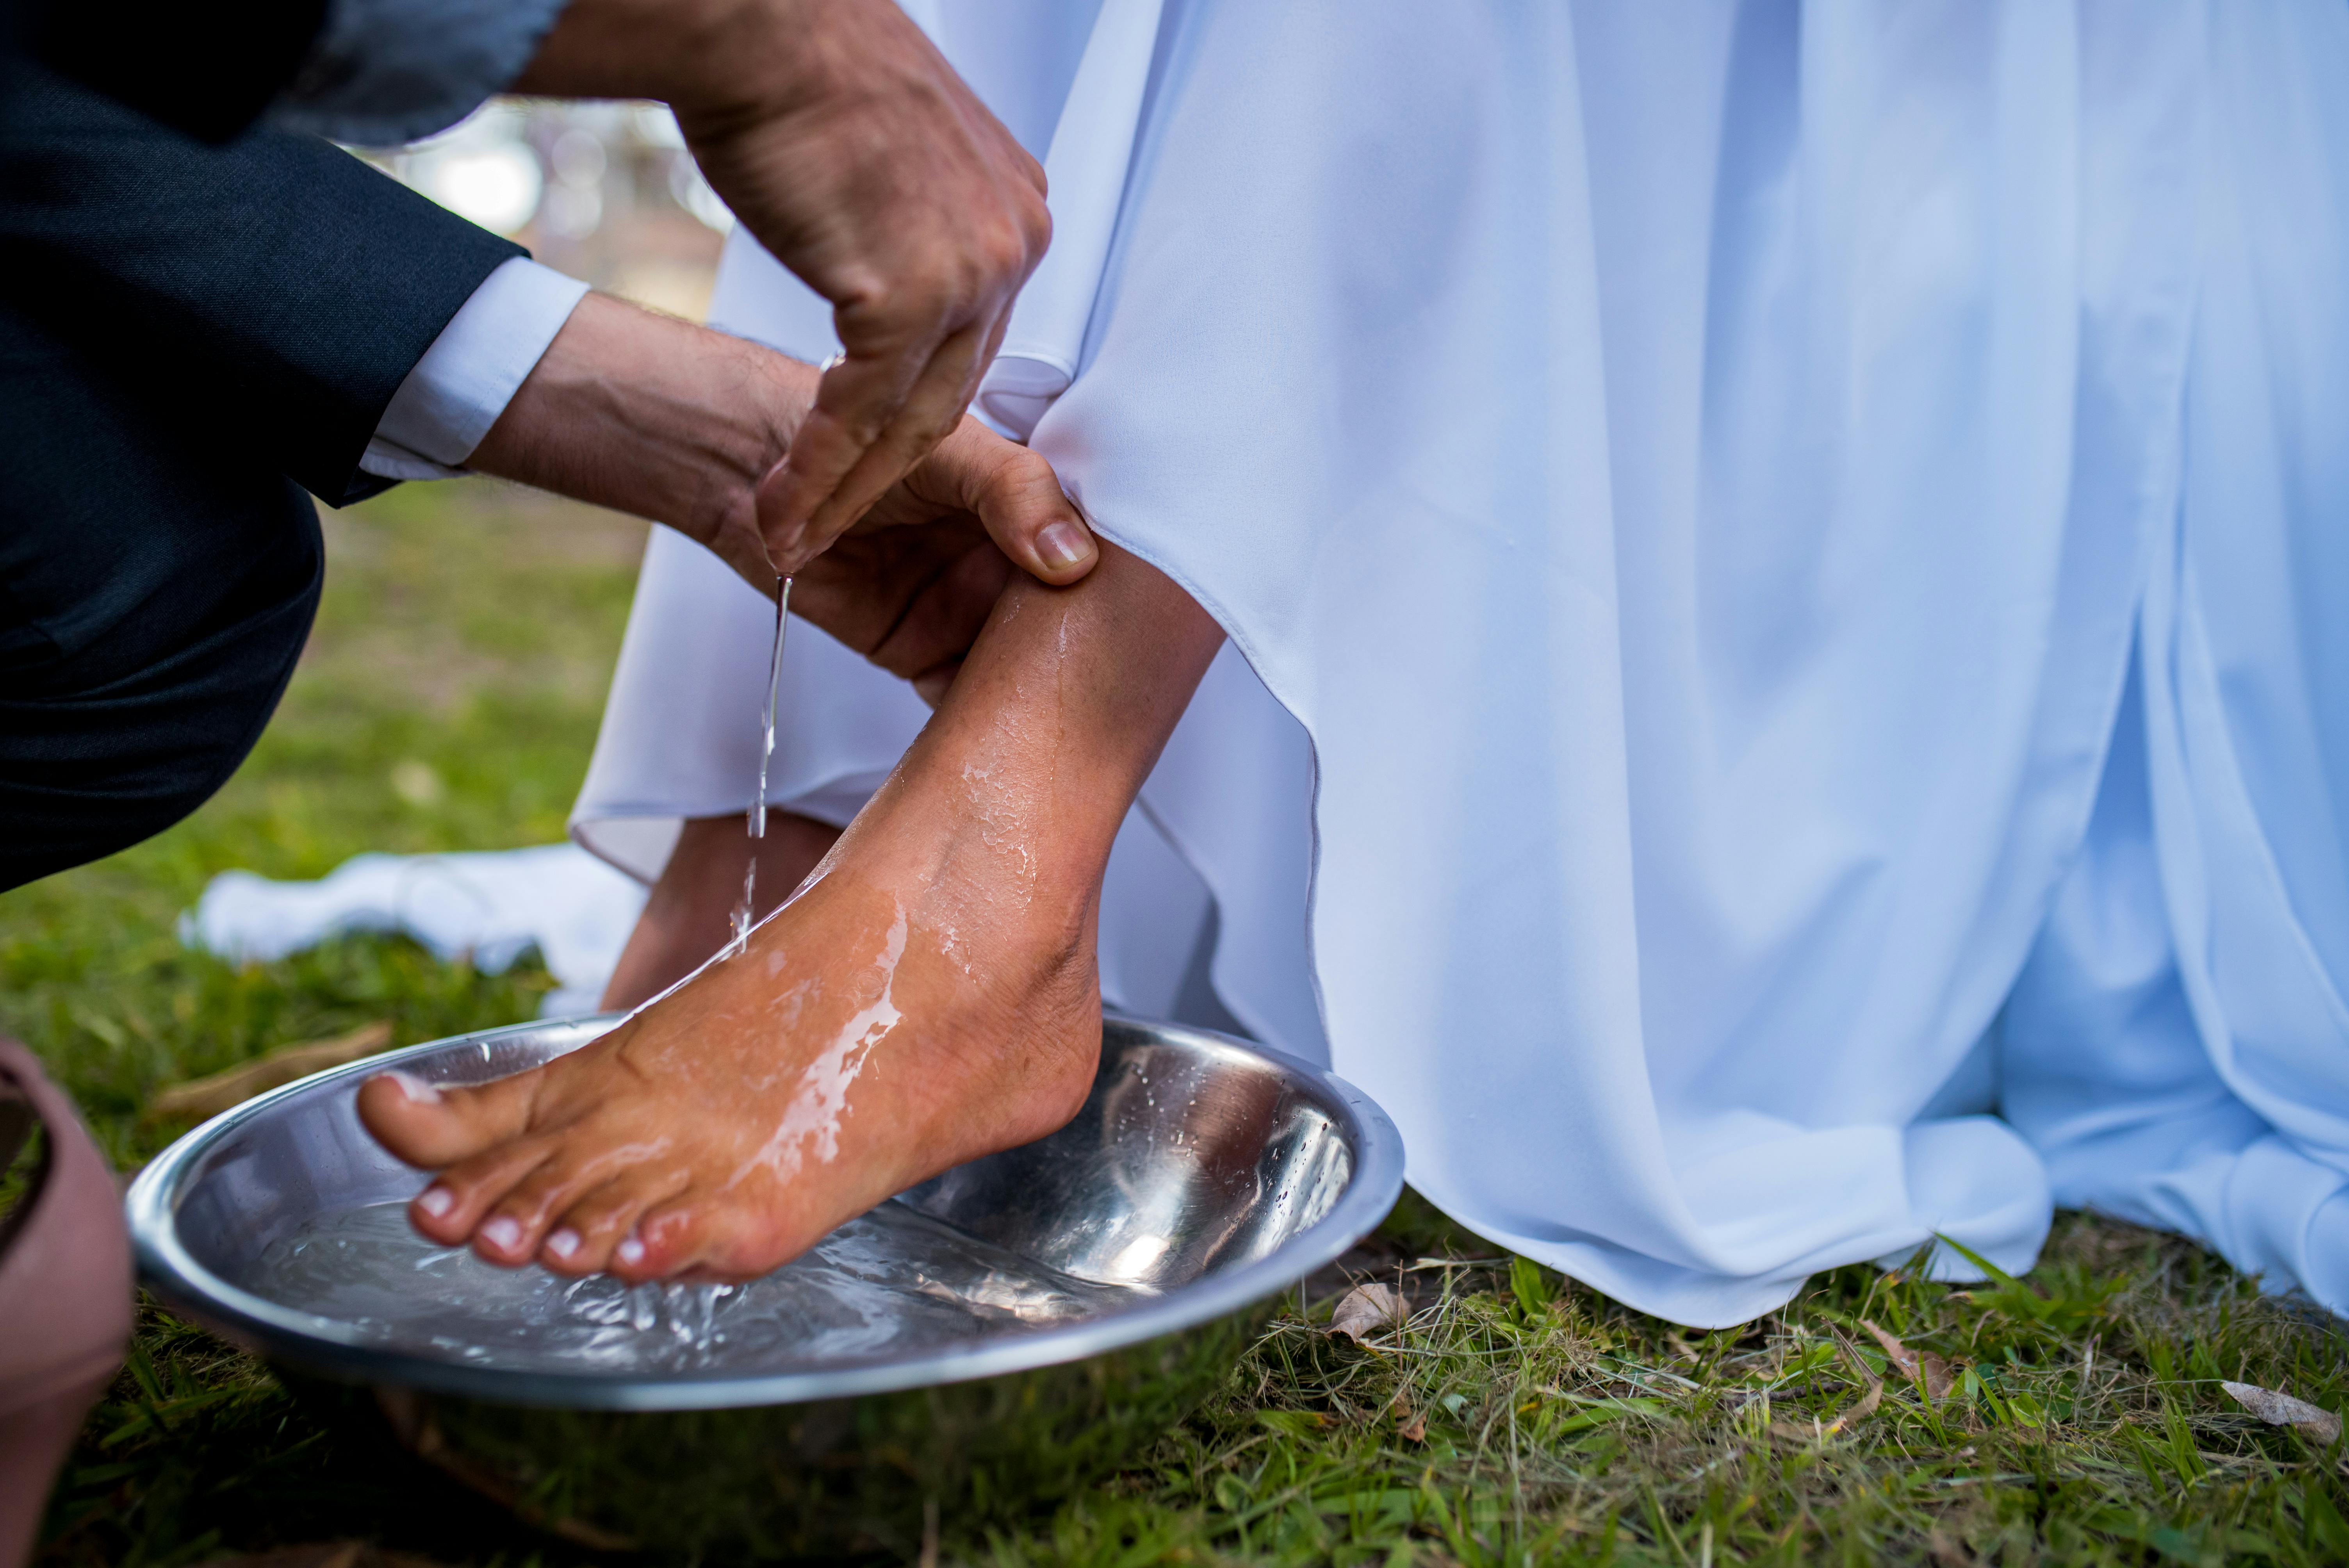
[206, 69]
[274, 291]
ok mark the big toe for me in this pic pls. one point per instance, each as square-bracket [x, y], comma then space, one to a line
[430, 1125]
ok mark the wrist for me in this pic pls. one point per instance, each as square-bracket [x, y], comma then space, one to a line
[730, 421]
[657, 417]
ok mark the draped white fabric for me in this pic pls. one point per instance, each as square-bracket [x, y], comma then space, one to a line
[1785, 560]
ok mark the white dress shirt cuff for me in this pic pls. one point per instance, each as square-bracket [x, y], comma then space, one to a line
[471, 371]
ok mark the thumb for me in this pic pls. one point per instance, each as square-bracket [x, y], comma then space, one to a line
[1018, 498]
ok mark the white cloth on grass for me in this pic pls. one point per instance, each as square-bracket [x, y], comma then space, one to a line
[489, 908]
[1789, 563]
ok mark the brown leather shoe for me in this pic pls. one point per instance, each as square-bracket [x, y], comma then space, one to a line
[64, 1296]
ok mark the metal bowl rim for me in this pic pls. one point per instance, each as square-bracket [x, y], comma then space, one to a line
[312, 1342]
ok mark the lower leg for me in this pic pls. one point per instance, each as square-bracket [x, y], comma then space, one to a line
[689, 914]
[928, 997]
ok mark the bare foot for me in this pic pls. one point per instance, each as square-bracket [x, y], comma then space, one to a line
[930, 997]
[690, 915]
[870, 1035]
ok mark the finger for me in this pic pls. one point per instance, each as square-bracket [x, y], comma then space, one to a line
[1018, 499]
[857, 399]
[931, 412]
[741, 548]
[945, 619]
[596, 1224]
[1002, 324]
[908, 369]
[926, 414]
[451, 1209]
[863, 588]
[430, 1126]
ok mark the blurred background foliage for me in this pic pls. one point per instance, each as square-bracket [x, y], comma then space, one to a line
[604, 190]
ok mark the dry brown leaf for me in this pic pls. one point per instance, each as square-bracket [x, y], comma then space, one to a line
[2276, 1409]
[209, 1095]
[1414, 1427]
[1798, 1434]
[1859, 1409]
[1368, 1309]
[1927, 1371]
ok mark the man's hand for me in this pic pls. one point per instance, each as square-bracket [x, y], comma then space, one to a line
[849, 147]
[679, 424]
[911, 584]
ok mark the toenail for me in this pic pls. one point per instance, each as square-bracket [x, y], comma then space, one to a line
[632, 1251]
[437, 1200]
[417, 1091]
[564, 1242]
[503, 1232]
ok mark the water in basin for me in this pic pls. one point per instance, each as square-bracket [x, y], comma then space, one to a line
[888, 1282]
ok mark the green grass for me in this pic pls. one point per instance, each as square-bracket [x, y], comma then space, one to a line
[449, 701]
[2087, 1426]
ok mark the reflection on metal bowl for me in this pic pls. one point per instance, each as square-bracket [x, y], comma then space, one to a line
[992, 1338]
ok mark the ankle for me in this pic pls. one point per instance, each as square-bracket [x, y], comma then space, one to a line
[982, 858]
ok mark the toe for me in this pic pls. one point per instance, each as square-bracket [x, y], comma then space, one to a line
[597, 1226]
[451, 1209]
[668, 1238]
[432, 1127]
[513, 1228]
[721, 1240]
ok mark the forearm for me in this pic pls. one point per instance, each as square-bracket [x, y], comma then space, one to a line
[701, 57]
[656, 418]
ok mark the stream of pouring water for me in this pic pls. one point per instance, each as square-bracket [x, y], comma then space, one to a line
[745, 914]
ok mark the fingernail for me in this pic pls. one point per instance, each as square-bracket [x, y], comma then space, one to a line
[504, 1232]
[1062, 545]
[437, 1200]
[631, 1251]
[564, 1242]
[417, 1091]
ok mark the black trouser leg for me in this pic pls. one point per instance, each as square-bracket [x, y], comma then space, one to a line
[155, 591]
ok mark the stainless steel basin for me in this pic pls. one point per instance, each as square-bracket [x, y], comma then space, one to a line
[1202, 1178]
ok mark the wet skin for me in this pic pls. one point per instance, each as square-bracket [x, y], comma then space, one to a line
[691, 913]
[930, 995]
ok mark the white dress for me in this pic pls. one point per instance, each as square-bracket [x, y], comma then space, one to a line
[1788, 688]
